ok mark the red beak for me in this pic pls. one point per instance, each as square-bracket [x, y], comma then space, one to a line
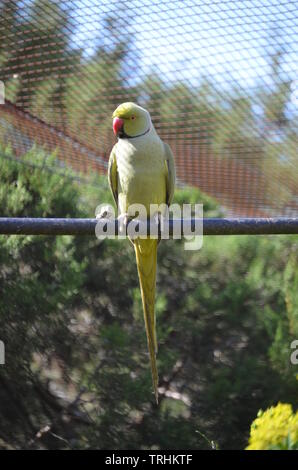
[117, 125]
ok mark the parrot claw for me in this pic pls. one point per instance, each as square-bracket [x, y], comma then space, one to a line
[123, 221]
[124, 218]
[106, 212]
[157, 218]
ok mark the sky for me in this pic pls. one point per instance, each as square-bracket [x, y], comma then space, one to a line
[228, 41]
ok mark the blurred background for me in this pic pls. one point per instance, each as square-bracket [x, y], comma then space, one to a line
[220, 81]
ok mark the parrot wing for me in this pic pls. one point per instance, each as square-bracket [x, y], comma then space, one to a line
[171, 174]
[113, 176]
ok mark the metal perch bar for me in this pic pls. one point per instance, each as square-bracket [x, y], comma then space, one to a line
[212, 226]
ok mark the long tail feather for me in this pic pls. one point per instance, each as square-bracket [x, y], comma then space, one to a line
[146, 256]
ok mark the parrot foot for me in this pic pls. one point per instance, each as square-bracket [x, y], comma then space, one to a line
[157, 218]
[124, 218]
[106, 212]
[123, 221]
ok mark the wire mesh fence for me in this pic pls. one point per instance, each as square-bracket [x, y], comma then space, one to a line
[219, 79]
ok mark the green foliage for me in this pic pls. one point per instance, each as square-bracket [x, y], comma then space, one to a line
[71, 320]
[195, 196]
[39, 277]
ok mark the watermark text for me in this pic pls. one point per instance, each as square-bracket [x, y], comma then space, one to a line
[179, 222]
[2, 93]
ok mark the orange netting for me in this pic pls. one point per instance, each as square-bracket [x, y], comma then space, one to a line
[219, 79]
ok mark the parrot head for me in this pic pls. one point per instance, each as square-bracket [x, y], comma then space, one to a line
[130, 120]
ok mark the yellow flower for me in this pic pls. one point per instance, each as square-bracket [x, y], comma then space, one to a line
[273, 427]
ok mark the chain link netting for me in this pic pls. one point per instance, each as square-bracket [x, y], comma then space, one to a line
[219, 79]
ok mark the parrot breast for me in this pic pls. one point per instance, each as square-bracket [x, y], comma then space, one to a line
[141, 172]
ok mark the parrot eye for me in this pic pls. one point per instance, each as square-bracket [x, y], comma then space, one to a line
[133, 117]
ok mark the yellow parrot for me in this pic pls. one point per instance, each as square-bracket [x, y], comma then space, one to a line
[141, 171]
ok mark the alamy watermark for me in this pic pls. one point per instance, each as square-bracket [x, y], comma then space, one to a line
[294, 355]
[2, 353]
[186, 223]
[2, 93]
